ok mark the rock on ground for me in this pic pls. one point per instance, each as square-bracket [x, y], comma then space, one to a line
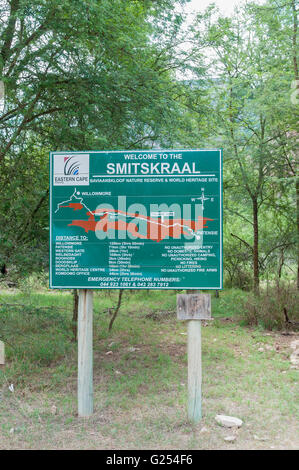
[230, 438]
[228, 421]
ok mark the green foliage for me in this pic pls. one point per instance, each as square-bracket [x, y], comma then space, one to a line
[254, 120]
[85, 74]
[103, 75]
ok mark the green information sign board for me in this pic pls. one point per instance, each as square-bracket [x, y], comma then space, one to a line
[142, 219]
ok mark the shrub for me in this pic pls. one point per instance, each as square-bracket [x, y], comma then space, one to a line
[39, 334]
[276, 308]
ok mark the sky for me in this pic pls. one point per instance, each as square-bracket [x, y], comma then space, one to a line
[193, 7]
[226, 6]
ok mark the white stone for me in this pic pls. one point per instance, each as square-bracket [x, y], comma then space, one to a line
[132, 349]
[228, 421]
[230, 438]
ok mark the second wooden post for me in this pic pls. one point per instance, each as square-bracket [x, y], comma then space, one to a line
[194, 370]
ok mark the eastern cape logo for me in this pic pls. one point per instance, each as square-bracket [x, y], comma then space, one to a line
[71, 169]
[71, 166]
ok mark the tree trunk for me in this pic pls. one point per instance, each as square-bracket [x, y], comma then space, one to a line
[116, 309]
[297, 205]
[256, 274]
[281, 263]
[296, 76]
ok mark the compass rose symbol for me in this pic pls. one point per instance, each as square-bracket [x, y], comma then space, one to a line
[202, 198]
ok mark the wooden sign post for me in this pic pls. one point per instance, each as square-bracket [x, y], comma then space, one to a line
[194, 307]
[85, 362]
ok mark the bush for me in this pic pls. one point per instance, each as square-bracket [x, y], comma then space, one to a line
[276, 308]
[39, 334]
[238, 278]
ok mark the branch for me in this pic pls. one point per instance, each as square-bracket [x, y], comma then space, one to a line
[239, 215]
[152, 137]
[9, 32]
[243, 241]
[43, 113]
[35, 35]
[282, 245]
[21, 126]
[37, 207]
[117, 309]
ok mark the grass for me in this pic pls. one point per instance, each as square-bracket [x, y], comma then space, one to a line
[140, 387]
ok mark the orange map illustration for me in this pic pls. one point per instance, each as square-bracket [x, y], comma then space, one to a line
[142, 226]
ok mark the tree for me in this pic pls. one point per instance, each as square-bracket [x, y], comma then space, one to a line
[246, 116]
[84, 74]
[280, 20]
